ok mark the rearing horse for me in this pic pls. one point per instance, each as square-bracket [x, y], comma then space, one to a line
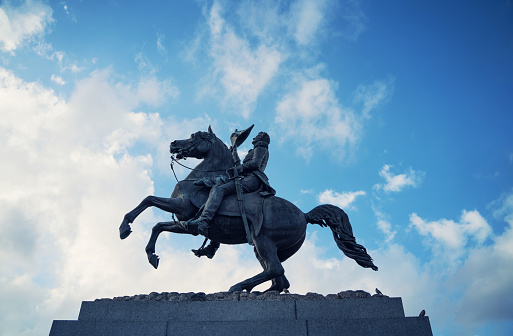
[283, 229]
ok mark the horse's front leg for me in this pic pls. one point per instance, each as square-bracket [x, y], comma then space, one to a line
[155, 232]
[166, 204]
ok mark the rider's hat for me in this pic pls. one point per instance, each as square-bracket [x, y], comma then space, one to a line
[238, 137]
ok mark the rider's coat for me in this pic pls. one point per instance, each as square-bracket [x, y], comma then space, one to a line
[255, 163]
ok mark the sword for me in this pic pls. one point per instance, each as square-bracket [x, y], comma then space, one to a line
[237, 138]
[240, 199]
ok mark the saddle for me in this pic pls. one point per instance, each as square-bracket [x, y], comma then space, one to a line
[253, 206]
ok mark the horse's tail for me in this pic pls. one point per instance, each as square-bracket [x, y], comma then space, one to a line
[337, 220]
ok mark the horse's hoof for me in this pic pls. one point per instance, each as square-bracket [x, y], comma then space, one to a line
[236, 288]
[276, 288]
[124, 229]
[154, 260]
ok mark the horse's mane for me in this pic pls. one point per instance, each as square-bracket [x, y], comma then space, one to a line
[219, 158]
[225, 154]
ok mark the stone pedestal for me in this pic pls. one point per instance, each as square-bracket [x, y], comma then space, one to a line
[165, 314]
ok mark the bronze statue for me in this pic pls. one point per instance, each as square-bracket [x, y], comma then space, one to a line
[252, 179]
[275, 226]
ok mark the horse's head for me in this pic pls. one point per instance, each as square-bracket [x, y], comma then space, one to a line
[197, 146]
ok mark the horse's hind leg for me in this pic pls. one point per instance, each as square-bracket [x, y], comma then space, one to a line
[270, 262]
[280, 283]
[166, 204]
[155, 232]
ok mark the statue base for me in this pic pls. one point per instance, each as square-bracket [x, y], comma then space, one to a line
[161, 314]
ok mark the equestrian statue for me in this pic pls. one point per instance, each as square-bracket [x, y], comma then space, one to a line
[230, 202]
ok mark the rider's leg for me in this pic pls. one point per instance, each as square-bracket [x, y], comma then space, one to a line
[250, 183]
[217, 193]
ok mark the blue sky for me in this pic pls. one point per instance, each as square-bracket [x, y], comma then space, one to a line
[399, 112]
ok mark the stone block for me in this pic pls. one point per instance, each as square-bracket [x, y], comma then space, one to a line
[238, 328]
[349, 308]
[411, 326]
[108, 328]
[354, 313]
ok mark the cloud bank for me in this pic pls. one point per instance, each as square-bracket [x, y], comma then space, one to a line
[68, 181]
[22, 23]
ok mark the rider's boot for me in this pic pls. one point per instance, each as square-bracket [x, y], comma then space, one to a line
[209, 250]
[201, 224]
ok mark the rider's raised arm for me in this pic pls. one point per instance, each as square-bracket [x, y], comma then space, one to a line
[235, 156]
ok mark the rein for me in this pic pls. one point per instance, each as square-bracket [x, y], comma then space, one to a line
[173, 160]
[185, 151]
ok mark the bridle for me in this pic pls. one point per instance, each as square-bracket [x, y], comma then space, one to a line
[197, 138]
[184, 152]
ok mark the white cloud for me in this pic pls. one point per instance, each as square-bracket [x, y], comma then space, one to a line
[302, 24]
[306, 18]
[249, 53]
[58, 80]
[396, 183]
[264, 19]
[373, 95]
[312, 117]
[458, 297]
[46, 51]
[71, 176]
[342, 200]
[240, 72]
[160, 43]
[503, 206]
[449, 238]
[486, 277]
[68, 180]
[73, 68]
[22, 23]
[400, 274]
[144, 64]
[69, 11]
[384, 225]
[154, 92]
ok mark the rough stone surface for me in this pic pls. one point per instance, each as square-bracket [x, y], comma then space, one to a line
[241, 313]
[241, 296]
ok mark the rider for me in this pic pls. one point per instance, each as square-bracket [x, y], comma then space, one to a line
[252, 169]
